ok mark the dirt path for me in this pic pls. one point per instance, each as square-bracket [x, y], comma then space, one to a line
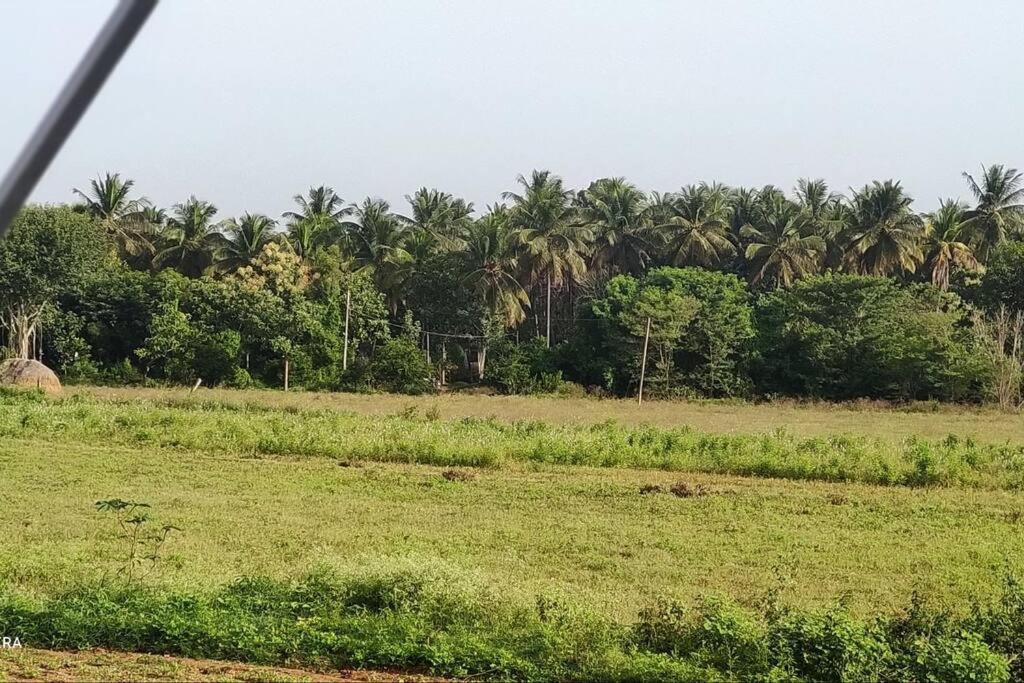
[27, 664]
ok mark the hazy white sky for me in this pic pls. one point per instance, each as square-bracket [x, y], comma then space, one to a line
[246, 103]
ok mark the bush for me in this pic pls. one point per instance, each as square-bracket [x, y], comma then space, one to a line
[400, 367]
[850, 336]
[521, 368]
[425, 617]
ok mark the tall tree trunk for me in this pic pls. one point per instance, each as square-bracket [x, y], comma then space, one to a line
[21, 321]
[549, 311]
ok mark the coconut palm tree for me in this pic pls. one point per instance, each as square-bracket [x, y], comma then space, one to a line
[999, 212]
[823, 212]
[491, 266]
[378, 240]
[318, 222]
[442, 216]
[694, 225]
[191, 239]
[124, 219]
[616, 214]
[780, 248]
[944, 245]
[883, 235]
[245, 238]
[553, 243]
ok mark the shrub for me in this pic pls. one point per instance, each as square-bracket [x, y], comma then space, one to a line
[400, 367]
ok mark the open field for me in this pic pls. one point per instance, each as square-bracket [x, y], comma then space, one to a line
[267, 488]
[727, 417]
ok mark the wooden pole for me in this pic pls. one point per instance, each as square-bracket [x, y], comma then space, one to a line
[286, 373]
[428, 348]
[444, 361]
[643, 364]
[348, 305]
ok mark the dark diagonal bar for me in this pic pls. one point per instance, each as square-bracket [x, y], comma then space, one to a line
[90, 74]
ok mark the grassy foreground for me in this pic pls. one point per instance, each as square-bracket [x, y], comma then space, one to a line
[530, 567]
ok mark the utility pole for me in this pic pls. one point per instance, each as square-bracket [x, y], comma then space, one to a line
[643, 364]
[348, 305]
[428, 348]
[549, 310]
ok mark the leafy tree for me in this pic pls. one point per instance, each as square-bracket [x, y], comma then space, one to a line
[400, 367]
[629, 305]
[191, 239]
[1000, 286]
[999, 212]
[847, 336]
[48, 251]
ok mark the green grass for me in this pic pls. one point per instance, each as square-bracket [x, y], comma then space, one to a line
[282, 492]
[253, 429]
[805, 419]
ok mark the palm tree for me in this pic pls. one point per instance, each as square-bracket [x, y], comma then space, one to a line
[780, 249]
[124, 219]
[616, 213]
[491, 264]
[1000, 209]
[318, 222]
[945, 247]
[444, 217]
[883, 236]
[823, 216]
[191, 237]
[694, 225]
[553, 244]
[378, 238]
[245, 238]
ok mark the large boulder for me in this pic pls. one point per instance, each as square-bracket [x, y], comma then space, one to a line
[31, 374]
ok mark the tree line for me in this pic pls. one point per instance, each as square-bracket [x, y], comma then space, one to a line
[742, 288]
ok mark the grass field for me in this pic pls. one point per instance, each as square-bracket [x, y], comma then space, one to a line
[872, 419]
[316, 488]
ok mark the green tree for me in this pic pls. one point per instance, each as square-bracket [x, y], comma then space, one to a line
[999, 212]
[491, 265]
[782, 246]
[191, 239]
[246, 236]
[48, 251]
[378, 239]
[945, 247]
[126, 221]
[616, 214]
[319, 221]
[883, 235]
[694, 225]
[553, 244]
[444, 218]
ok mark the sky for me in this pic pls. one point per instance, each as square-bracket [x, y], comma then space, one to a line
[247, 102]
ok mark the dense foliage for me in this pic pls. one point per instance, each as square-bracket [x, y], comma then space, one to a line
[432, 619]
[746, 292]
